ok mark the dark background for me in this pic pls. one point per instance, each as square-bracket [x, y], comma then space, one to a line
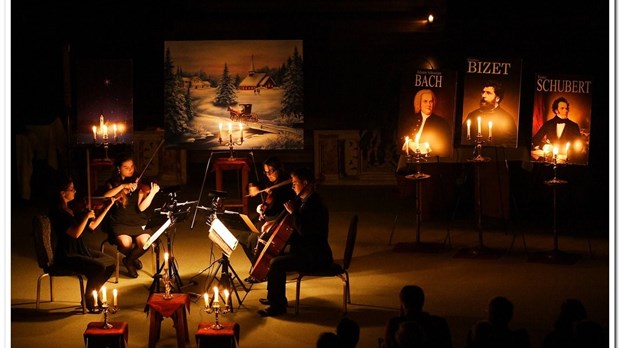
[356, 55]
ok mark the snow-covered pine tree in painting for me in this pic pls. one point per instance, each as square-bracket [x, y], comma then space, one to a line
[175, 100]
[293, 100]
[225, 95]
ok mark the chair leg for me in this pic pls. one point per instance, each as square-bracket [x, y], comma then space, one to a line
[51, 289]
[118, 265]
[39, 289]
[297, 294]
[82, 299]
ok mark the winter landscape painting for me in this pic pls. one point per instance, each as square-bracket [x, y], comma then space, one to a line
[244, 93]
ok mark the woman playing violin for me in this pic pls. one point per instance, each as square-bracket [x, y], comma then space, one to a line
[277, 192]
[128, 217]
[72, 252]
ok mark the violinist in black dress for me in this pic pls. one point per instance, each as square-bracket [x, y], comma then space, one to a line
[128, 218]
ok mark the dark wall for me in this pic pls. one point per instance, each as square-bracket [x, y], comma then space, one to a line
[355, 53]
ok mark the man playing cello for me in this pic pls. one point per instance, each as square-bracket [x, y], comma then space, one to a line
[310, 250]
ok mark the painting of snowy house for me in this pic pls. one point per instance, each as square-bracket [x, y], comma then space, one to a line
[244, 93]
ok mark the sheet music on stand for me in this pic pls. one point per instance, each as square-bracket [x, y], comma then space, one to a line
[237, 221]
[221, 236]
[164, 220]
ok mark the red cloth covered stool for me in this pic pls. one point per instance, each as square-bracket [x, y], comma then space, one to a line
[159, 308]
[96, 336]
[227, 337]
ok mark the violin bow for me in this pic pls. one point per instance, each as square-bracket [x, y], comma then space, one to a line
[150, 159]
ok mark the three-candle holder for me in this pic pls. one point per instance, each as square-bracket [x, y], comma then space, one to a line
[417, 158]
[231, 144]
[554, 163]
[478, 148]
[217, 309]
[107, 310]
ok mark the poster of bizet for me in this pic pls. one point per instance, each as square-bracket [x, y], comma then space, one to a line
[561, 119]
[221, 94]
[427, 121]
[491, 94]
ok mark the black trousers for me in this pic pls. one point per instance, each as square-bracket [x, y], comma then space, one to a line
[97, 269]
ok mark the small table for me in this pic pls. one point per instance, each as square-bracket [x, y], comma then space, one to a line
[160, 308]
[115, 337]
[227, 337]
[237, 164]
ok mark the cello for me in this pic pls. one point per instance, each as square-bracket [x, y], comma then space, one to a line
[279, 234]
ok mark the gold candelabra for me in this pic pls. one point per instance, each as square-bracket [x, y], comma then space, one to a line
[216, 308]
[231, 143]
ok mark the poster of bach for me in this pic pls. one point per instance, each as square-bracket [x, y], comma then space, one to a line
[561, 119]
[428, 113]
[491, 93]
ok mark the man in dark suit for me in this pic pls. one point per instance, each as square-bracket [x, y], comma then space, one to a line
[559, 130]
[504, 125]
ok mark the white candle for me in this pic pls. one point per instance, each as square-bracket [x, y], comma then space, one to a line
[479, 126]
[230, 128]
[101, 121]
[555, 152]
[105, 132]
[220, 132]
[241, 130]
[115, 296]
[427, 147]
[114, 130]
[490, 129]
[469, 129]
[567, 147]
[166, 256]
[407, 145]
[104, 294]
[206, 297]
[225, 296]
[95, 297]
[95, 133]
[215, 296]
[416, 143]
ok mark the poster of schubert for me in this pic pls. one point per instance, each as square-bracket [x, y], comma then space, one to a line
[561, 119]
[491, 94]
[246, 94]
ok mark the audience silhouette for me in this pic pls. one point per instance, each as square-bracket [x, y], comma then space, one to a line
[434, 328]
[495, 332]
[348, 331]
[328, 340]
[572, 330]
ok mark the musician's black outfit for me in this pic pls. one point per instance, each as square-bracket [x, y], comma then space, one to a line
[310, 251]
[125, 218]
[278, 196]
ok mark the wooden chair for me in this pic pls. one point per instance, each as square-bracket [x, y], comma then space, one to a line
[42, 230]
[337, 269]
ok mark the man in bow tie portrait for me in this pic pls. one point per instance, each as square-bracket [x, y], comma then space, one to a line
[559, 130]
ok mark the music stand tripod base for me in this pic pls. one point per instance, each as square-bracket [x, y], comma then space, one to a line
[479, 252]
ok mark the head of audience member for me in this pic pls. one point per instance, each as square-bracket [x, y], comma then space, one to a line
[500, 311]
[571, 311]
[328, 340]
[411, 299]
[348, 330]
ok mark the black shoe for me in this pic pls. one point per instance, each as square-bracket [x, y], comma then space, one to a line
[264, 301]
[131, 269]
[272, 311]
[252, 280]
[137, 264]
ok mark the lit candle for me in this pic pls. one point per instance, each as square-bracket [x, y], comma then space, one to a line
[114, 130]
[115, 296]
[95, 133]
[567, 147]
[101, 121]
[220, 132]
[427, 147]
[416, 143]
[95, 297]
[104, 294]
[469, 129]
[215, 296]
[555, 153]
[241, 130]
[105, 132]
[490, 129]
[225, 296]
[230, 131]
[407, 145]
[479, 126]
[206, 297]
[166, 256]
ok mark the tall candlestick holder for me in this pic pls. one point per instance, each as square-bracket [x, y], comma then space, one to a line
[107, 310]
[231, 145]
[217, 309]
[167, 284]
[416, 159]
[478, 149]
